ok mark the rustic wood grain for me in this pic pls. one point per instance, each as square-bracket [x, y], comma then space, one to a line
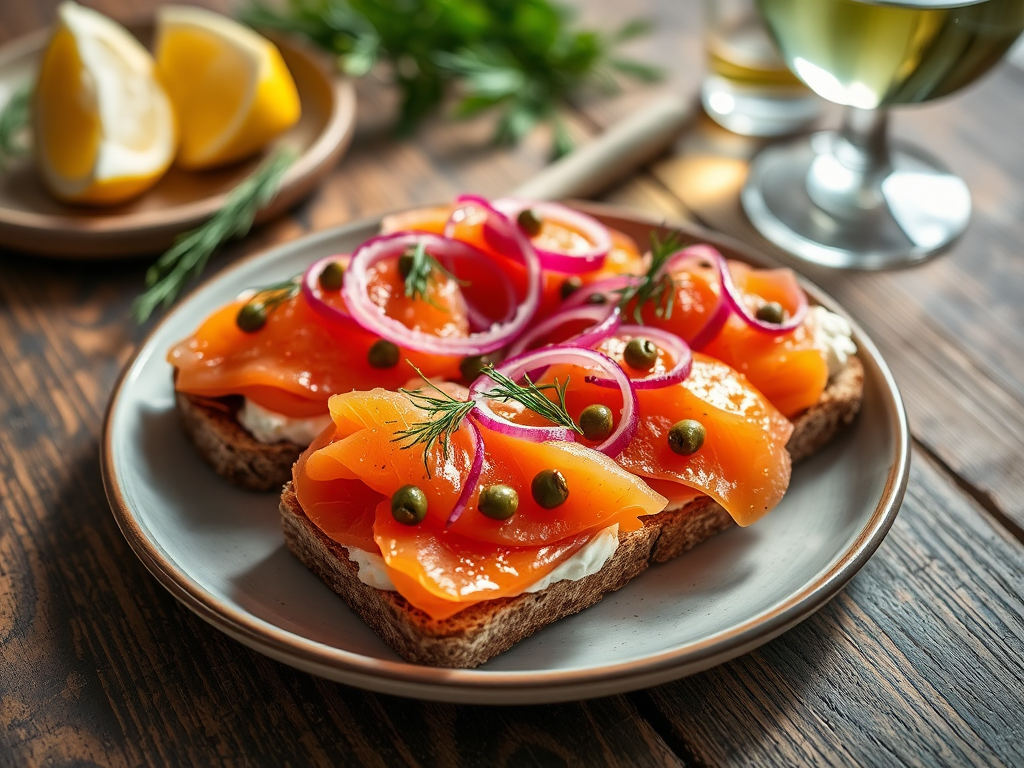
[916, 663]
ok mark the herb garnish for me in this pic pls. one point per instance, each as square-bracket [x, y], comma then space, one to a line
[655, 286]
[186, 259]
[447, 413]
[519, 57]
[446, 416]
[14, 120]
[419, 269]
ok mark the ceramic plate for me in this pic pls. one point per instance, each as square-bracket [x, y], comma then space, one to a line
[31, 220]
[220, 551]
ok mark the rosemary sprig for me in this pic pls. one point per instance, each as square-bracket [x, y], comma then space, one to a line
[447, 413]
[186, 259]
[14, 120]
[655, 287]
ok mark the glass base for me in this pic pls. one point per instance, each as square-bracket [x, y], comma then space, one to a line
[762, 111]
[921, 208]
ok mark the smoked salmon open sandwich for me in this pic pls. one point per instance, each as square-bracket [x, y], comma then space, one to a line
[493, 414]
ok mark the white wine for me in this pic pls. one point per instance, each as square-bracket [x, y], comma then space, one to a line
[870, 54]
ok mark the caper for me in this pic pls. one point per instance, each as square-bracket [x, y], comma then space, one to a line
[405, 262]
[686, 436]
[331, 278]
[251, 317]
[640, 354]
[772, 312]
[498, 502]
[530, 221]
[383, 354]
[409, 505]
[472, 367]
[596, 422]
[570, 285]
[549, 488]
[597, 298]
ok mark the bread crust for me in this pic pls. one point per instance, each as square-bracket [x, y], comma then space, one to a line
[483, 630]
[212, 426]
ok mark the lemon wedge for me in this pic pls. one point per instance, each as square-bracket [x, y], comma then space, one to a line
[231, 89]
[104, 129]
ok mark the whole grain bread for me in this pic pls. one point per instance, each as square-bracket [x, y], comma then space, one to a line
[486, 629]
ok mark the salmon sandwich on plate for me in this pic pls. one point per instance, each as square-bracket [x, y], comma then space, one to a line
[492, 414]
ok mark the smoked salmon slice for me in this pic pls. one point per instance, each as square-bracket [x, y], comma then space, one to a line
[442, 569]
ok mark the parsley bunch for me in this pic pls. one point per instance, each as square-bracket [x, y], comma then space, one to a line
[521, 57]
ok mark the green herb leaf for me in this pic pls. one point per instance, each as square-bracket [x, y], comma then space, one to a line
[521, 58]
[186, 259]
[14, 120]
[446, 416]
[655, 287]
[446, 413]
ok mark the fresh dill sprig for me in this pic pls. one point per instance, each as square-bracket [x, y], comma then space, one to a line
[446, 416]
[14, 119]
[186, 259]
[447, 413]
[532, 396]
[655, 287]
[421, 273]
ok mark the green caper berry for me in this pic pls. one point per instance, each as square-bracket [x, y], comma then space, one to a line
[772, 312]
[530, 222]
[472, 367]
[686, 437]
[570, 285]
[383, 354]
[549, 488]
[405, 265]
[498, 502]
[331, 278]
[251, 317]
[597, 298]
[409, 505]
[640, 354]
[597, 422]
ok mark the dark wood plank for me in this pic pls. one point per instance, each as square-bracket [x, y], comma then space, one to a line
[917, 662]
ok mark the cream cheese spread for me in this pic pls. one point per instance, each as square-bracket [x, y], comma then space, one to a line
[270, 427]
[590, 559]
[834, 337]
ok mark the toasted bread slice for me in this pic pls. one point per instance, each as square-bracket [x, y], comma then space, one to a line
[484, 630]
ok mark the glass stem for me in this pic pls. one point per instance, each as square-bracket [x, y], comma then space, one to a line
[846, 179]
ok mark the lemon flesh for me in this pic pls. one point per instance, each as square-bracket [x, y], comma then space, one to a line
[231, 90]
[104, 129]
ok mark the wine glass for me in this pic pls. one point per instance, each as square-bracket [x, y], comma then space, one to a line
[851, 198]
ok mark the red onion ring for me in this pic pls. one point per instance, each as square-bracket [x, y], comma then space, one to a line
[313, 296]
[606, 322]
[732, 298]
[473, 478]
[678, 348]
[370, 317]
[615, 443]
[590, 228]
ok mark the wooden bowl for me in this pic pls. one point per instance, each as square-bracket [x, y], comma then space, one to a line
[31, 220]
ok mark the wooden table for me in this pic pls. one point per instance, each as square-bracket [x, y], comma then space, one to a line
[919, 661]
